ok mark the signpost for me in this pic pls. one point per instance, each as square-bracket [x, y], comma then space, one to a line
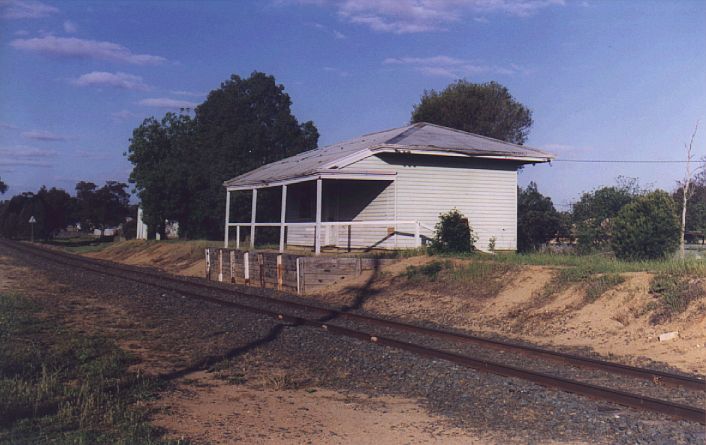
[32, 222]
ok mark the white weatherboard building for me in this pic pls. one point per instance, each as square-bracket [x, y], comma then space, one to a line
[387, 190]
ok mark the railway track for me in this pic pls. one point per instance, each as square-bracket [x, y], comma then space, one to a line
[326, 318]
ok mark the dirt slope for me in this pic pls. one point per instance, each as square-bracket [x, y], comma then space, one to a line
[512, 302]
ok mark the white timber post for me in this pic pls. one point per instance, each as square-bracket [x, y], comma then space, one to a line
[246, 267]
[252, 218]
[225, 238]
[237, 237]
[283, 218]
[317, 232]
[417, 237]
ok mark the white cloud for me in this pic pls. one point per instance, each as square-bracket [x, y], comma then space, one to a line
[412, 16]
[24, 152]
[7, 126]
[123, 115]
[25, 9]
[338, 34]
[164, 102]
[39, 135]
[116, 80]
[92, 155]
[452, 67]
[340, 72]
[87, 49]
[70, 27]
[188, 93]
[23, 156]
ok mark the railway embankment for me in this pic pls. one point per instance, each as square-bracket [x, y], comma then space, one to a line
[617, 310]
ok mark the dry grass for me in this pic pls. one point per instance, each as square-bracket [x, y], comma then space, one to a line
[60, 387]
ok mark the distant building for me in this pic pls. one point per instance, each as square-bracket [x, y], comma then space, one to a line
[387, 189]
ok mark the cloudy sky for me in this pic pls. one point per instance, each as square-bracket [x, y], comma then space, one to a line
[606, 80]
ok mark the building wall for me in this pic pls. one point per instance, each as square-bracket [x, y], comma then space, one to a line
[483, 190]
[426, 186]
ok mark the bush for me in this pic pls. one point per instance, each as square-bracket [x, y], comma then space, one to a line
[647, 228]
[452, 233]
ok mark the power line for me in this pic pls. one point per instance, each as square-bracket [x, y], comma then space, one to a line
[615, 161]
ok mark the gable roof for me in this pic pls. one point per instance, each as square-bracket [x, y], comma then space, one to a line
[419, 138]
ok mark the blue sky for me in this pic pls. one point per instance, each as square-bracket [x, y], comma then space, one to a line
[615, 80]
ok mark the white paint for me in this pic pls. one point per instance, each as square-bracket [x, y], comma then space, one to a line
[252, 218]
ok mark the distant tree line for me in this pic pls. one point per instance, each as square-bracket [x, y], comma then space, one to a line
[180, 162]
[54, 209]
[631, 222]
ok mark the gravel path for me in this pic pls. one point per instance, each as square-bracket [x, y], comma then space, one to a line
[510, 410]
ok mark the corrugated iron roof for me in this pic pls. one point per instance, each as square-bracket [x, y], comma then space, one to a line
[419, 137]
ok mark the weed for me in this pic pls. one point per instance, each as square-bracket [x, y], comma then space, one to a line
[602, 284]
[675, 292]
[429, 271]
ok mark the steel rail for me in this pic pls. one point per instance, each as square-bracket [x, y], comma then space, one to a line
[655, 376]
[676, 410]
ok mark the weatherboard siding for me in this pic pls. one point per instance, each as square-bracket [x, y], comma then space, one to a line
[484, 191]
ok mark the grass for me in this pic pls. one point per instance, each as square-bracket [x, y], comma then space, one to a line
[601, 263]
[674, 294]
[60, 387]
[602, 284]
[477, 279]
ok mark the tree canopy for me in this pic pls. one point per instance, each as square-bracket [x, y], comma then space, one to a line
[487, 109]
[537, 219]
[179, 163]
[3, 186]
[595, 210]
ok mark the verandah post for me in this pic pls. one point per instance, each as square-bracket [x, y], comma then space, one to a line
[252, 218]
[225, 237]
[317, 231]
[283, 218]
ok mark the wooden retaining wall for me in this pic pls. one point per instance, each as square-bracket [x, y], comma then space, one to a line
[284, 271]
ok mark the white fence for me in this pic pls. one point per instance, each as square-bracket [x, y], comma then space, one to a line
[330, 232]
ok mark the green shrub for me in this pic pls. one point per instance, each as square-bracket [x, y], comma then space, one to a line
[452, 233]
[647, 228]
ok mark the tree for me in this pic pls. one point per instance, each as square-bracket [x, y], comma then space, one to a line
[244, 124]
[594, 211]
[163, 156]
[179, 164]
[59, 207]
[647, 228]
[686, 191]
[452, 233]
[696, 204]
[103, 207]
[487, 109]
[537, 219]
[3, 187]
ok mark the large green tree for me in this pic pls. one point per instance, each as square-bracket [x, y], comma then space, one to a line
[180, 164]
[487, 109]
[163, 155]
[537, 219]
